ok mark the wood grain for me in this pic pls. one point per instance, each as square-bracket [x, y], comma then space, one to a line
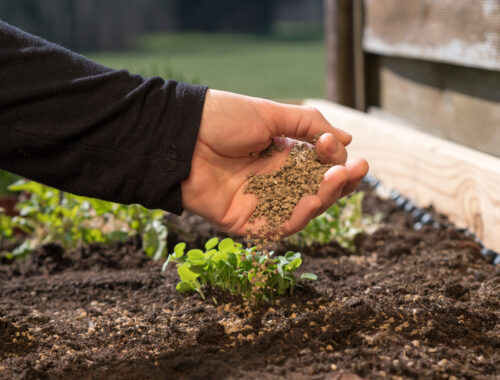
[460, 182]
[464, 32]
[460, 104]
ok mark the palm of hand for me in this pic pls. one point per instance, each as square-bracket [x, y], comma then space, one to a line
[232, 128]
[220, 167]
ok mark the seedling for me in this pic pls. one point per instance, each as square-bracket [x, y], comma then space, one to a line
[343, 222]
[6, 226]
[227, 265]
[48, 215]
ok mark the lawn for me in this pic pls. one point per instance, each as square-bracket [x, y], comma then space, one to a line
[286, 65]
[279, 67]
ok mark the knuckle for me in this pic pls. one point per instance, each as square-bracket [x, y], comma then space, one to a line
[313, 111]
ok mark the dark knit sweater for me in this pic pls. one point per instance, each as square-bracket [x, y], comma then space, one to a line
[84, 128]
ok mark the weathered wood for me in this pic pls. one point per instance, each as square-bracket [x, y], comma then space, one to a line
[460, 182]
[464, 32]
[358, 56]
[460, 104]
[339, 65]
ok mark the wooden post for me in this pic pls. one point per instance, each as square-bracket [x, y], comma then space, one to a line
[339, 45]
[358, 56]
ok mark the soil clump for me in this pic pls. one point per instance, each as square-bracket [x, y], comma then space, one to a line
[279, 192]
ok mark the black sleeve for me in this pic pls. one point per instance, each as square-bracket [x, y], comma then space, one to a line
[70, 123]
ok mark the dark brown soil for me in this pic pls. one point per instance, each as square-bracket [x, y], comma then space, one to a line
[409, 304]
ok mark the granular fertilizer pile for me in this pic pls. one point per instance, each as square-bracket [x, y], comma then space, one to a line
[280, 191]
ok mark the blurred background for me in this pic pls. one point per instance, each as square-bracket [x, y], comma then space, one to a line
[433, 65]
[267, 48]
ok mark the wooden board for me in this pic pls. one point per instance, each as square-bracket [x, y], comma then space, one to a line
[460, 104]
[358, 55]
[460, 182]
[339, 47]
[463, 32]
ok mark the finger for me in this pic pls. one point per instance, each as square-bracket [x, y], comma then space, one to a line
[357, 169]
[304, 123]
[330, 150]
[301, 215]
[331, 187]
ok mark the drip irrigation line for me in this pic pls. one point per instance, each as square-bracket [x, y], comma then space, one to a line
[423, 218]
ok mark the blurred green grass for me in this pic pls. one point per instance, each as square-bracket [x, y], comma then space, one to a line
[280, 66]
[289, 64]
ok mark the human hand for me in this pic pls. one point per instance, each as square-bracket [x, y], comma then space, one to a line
[232, 128]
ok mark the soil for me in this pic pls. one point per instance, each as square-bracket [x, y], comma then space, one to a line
[407, 304]
[279, 192]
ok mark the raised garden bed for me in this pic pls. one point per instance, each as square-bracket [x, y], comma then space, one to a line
[407, 304]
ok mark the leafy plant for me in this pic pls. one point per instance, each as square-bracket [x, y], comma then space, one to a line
[48, 215]
[343, 222]
[6, 226]
[6, 179]
[227, 265]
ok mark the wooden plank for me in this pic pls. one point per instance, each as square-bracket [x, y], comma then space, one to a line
[464, 32]
[358, 56]
[460, 182]
[338, 34]
[460, 104]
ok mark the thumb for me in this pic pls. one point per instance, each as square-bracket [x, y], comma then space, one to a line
[304, 123]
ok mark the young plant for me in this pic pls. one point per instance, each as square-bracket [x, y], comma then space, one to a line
[6, 226]
[227, 265]
[48, 215]
[343, 222]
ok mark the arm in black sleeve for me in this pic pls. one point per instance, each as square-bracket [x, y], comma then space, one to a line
[73, 124]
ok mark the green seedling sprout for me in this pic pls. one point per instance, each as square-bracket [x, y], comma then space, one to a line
[227, 265]
[343, 222]
[47, 215]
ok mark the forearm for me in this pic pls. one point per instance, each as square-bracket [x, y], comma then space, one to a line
[84, 128]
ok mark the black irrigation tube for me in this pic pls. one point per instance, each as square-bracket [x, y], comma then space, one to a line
[423, 218]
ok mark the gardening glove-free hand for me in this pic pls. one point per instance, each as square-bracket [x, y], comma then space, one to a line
[235, 126]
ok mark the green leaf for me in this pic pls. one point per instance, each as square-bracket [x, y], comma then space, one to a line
[227, 245]
[30, 186]
[211, 243]
[232, 259]
[93, 235]
[195, 254]
[196, 257]
[23, 250]
[308, 276]
[184, 287]
[297, 262]
[120, 236]
[280, 271]
[154, 240]
[186, 274]
[179, 250]
[282, 260]
[101, 207]
[219, 256]
[155, 214]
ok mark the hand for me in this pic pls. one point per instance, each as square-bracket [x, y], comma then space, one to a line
[232, 127]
